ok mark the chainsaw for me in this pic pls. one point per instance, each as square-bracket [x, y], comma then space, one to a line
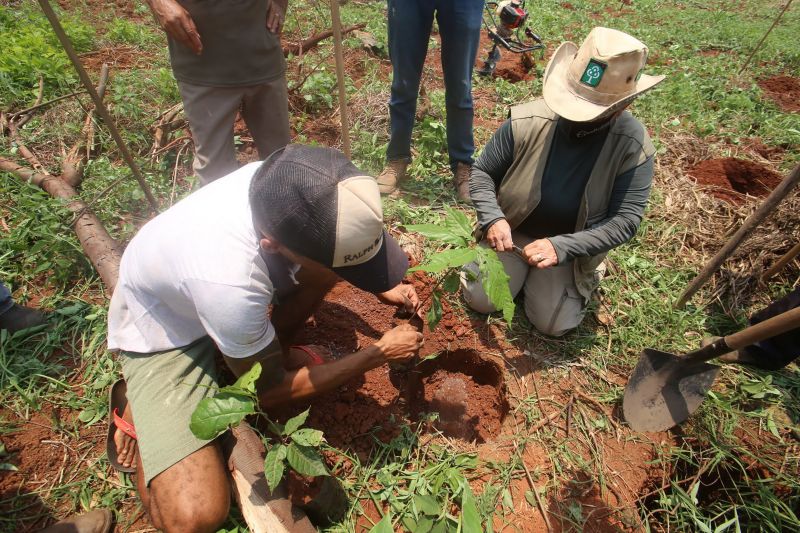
[505, 24]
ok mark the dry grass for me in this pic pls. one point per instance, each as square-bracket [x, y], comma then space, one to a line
[705, 223]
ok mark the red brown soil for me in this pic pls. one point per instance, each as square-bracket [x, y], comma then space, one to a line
[730, 179]
[377, 404]
[784, 91]
[765, 151]
[510, 66]
[121, 57]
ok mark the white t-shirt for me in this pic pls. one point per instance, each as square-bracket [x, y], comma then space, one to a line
[195, 270]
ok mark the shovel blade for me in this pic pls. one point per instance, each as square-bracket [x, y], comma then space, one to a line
[664, 390]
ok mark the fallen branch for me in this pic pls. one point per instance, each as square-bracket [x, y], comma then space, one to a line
[307, 44]
[28, 110]
[24, 151]
[167, 122]
[75, 160]
[101, 249]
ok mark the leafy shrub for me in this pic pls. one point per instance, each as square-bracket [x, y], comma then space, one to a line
[30, 49]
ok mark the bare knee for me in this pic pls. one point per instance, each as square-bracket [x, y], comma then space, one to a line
[197, 516]
[193, 495]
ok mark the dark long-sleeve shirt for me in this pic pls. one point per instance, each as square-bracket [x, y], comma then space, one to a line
[573, 154]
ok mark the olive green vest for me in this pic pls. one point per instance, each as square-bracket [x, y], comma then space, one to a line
[533, 125]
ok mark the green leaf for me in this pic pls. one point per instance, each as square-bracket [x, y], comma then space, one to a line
[307, 437]
[495, 282]
[213, 415]
[384, 526]
[452, 258]
[427, 505]
[305, 461]
[247, 381]
[294, 423]
[424, 525]
[451, 282]
[434, 314]
[531, 498]
[437, 232]
[470, 518]
[508, 501]
[458, 223]
[274, 465]
[8, 467]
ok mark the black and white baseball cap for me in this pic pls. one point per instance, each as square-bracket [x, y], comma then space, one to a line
[317, 203]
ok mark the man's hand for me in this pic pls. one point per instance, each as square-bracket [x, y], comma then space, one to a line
[177, 22]
[276, 14]
[403, 296]
[541, 254]
[400, 343]
[498, 236]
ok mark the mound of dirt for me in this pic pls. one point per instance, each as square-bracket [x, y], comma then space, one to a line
[784, 91]
[730, 179]
[510, 66]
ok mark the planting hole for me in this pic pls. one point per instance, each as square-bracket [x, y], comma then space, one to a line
[729, 176]
[466, 390]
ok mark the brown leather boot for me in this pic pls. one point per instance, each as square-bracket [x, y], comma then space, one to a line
[97, 521]
[393, 173]
[461, 182]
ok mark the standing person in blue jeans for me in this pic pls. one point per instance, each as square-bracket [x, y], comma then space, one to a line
[410, 23]
[15, 317]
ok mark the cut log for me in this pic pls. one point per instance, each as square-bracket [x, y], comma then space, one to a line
[264, 511]
[101, 249]
[307, 44]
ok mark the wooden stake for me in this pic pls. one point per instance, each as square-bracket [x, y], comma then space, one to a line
[764, 38]
[782, 262]
[337, 47]
[98, 103]
[758, 216]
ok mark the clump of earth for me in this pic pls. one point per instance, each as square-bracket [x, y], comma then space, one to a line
[731, 179]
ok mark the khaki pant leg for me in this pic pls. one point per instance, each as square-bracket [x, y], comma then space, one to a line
[475, 296]
[265, 110]
[552, 301]
[211, 112]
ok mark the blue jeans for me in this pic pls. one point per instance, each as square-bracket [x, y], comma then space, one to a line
[6, 302]
[410, 23]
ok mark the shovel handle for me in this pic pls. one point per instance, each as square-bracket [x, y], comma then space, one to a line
[763, 330]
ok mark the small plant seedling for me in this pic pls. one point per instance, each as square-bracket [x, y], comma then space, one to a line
[455, 231]
[293, 444]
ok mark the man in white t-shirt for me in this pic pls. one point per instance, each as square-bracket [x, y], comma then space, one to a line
[202, 276]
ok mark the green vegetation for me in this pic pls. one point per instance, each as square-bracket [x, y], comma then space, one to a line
[455, 230]
[733, 466]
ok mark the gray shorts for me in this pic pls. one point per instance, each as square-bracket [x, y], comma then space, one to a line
[164, 389]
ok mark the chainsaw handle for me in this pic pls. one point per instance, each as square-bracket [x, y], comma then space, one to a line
[763, 330]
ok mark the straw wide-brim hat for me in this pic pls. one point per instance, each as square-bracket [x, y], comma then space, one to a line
[605, 73]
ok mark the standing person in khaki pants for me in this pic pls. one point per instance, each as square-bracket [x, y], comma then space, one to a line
[227, 56]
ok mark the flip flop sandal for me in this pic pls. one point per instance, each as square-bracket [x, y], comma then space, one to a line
[117, 401]
[312, 359]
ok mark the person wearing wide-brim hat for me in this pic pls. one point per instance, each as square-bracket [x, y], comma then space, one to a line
[565, 179]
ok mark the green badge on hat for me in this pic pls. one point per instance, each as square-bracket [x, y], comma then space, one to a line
[593, 73]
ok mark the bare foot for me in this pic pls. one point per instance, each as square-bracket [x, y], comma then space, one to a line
[126, 445]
